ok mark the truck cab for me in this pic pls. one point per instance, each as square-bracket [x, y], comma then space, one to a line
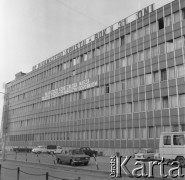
[172, 146]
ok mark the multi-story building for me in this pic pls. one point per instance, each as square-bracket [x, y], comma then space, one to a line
[114, 91]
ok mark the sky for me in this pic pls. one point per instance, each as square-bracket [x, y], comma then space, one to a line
[32, 31]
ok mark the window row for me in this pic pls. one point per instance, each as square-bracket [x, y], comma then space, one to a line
[106, 134]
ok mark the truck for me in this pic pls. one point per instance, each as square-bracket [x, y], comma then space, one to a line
[172, 146]
[50, 149]
[54, 149]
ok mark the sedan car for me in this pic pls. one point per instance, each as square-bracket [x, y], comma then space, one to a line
[89, 151]
[73, 157]
[145, 154]
[39, 149]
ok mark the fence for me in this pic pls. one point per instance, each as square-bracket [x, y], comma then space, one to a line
[18, 170]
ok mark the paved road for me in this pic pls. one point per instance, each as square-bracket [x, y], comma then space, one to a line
[90, 171]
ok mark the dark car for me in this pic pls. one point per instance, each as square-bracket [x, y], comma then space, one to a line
[73, 156]
[89, 151]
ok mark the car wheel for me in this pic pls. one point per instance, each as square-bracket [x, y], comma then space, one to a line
[72, 162]
[181, 160]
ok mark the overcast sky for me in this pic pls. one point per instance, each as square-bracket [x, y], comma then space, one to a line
[34, 30]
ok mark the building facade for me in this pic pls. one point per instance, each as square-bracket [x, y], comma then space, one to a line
[114, 92]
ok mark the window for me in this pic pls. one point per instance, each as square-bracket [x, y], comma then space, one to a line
[154, 51]
[163, 75]
[142, 105]
[140, 33]
[168, 20]
[169, 46]
[173, 101]
[161, 23]
[135, 58]
[136, 106]
[161, 48]
[136, 133]
[85, 57]
[130, 133]
[157, 104]
[171, 73]
[135, 82]
[176, 17]
[117, 43]
[133, 36]
[151, 132]
[182, 100]
[178, 140]
[167, 140]
[148, 78]
[129, 83]
[122, 40]
[129, 107]
[180, 71]
[141, 56]
[129, 60]
[143, 133]
[141, 80]
[165, 102]
[147, 30]
[153, 27]
[158, 131]
[112, 45]
[147, 53]
[156, 76]
[149, 105]
[123, 62]
[128, 38]
[178, 43]
[106, 88]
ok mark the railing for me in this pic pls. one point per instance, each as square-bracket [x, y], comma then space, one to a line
[18, 170]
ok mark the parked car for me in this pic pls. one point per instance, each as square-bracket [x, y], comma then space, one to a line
[145, 154]
[73, 157]
[54, 149]
[88, 151]
[39, 149]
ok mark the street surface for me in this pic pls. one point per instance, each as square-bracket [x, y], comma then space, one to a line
[38, 165]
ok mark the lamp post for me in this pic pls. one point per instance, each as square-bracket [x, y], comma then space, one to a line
[4, 123]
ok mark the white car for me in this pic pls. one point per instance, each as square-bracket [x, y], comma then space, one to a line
[39, 149]
[145, 154]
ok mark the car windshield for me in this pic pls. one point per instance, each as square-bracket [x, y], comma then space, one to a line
[76, 151]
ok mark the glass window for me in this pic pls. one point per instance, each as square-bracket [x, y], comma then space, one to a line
[133, 35]
[167, 140]
[154, 51]
[153, 27]
[141, 56]
[171, 73]
[129, 83]
[142, 105]
[147, 54]
[136, 133]
[124, 62]
[128, 38]
[176, 17]
[163, 75]
[161, 48]
[156, 76]
[130, 133]
[143, 132]
[147, 29]
[122, 40]
[182, 100]
[151, 132]
[178, 43]
[135, 82]
[169, 46]
[141, 80]
[136, 106]
[149, 104]
[157, 103]
[148, 78]
[180, 71]
[129, 107]
[168, 20]
[179, 140]
[173, 101]
[165, 102]
[129, 60]
[158, 131]
[140, 33]
[135, 58]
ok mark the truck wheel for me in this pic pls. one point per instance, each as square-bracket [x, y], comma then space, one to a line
[72, 162]
[181, 160]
